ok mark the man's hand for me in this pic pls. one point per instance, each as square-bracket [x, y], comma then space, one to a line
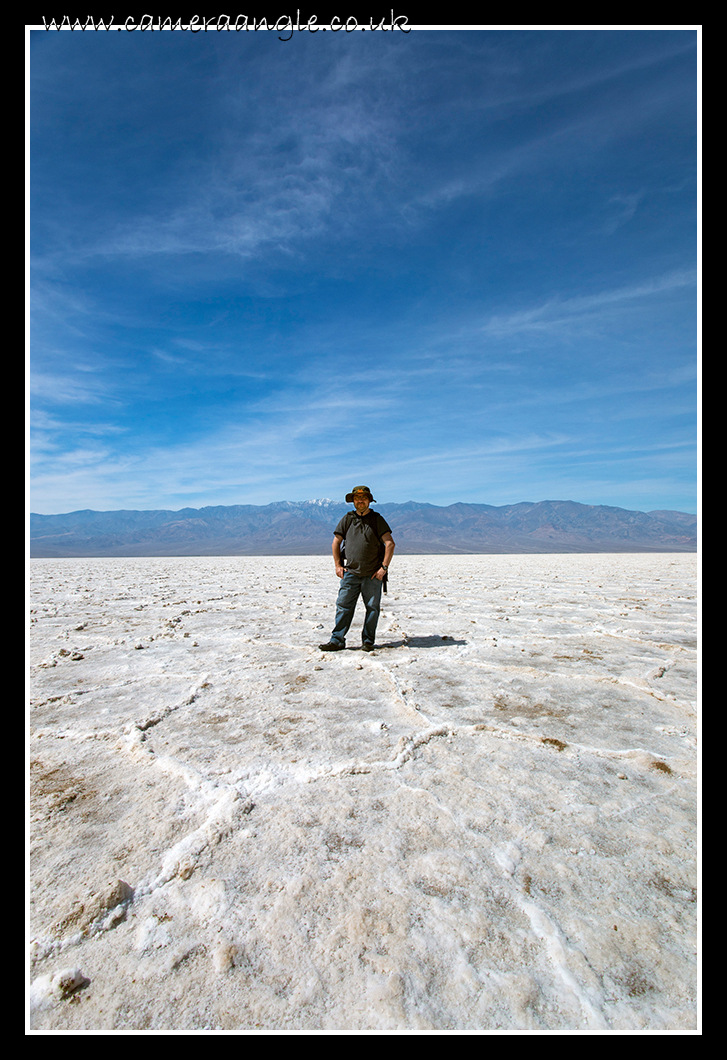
[336, 547]
[380, 574]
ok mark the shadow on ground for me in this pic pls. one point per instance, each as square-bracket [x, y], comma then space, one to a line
[422, 642]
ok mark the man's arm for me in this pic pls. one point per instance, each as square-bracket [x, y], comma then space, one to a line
[336, 549]
[389, 546]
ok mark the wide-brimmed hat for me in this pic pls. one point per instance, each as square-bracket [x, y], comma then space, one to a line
[360, 489]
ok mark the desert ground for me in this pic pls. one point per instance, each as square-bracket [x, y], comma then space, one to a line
[488, 824]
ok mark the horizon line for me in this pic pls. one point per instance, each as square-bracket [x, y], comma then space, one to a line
[328, 500]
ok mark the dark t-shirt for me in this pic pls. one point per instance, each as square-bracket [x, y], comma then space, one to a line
[362, 533]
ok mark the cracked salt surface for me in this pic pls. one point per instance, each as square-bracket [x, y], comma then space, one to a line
[487, 823]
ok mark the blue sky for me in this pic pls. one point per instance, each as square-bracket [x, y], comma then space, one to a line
[453, 265]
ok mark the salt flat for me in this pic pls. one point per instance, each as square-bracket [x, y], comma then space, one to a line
[488, 823]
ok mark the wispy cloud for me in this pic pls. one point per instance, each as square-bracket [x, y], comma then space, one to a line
[68, 389]
[557, 314]
[621, 209]
[274, 175]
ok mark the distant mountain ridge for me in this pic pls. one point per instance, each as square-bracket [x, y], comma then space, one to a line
[303, 528]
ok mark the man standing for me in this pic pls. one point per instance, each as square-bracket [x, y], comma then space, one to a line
[369, 548]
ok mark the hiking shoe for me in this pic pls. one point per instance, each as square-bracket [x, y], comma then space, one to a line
[368, 647]
[332, 646]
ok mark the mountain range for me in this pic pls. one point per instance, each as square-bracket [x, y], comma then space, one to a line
[305, 528]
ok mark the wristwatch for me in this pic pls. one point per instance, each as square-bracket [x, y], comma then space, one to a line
[384, 567]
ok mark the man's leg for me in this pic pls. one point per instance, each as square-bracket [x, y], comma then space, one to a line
[345, 606]
[371, 592]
